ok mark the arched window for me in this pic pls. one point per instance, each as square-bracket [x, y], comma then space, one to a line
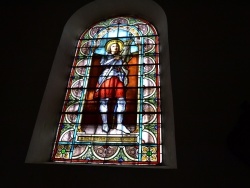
[111, 111]
[116, 75]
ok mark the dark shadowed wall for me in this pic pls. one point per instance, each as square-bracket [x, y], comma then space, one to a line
[209, 55]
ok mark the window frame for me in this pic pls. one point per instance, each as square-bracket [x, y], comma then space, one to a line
[44, 133]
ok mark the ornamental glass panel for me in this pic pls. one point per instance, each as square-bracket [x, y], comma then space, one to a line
[112, 108]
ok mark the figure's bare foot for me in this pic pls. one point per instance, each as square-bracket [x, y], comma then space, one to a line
[122, 128]
[105, 128]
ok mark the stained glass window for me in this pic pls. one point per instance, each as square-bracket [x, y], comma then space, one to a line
[112, 108]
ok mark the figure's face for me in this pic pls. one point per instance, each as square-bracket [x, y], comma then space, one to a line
[114, 48]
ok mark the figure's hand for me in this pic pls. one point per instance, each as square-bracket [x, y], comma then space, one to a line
[117, 57]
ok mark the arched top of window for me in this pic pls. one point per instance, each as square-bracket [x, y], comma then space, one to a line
[148, 136]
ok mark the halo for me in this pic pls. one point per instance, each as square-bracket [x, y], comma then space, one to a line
[109, 43]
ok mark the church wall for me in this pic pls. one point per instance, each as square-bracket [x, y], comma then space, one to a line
[209, 74]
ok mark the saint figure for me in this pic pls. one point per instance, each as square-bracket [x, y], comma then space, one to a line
[112, 82]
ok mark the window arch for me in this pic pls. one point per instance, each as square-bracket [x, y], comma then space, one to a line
[44, 133]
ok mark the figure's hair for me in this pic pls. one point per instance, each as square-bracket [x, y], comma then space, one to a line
[111, 42]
